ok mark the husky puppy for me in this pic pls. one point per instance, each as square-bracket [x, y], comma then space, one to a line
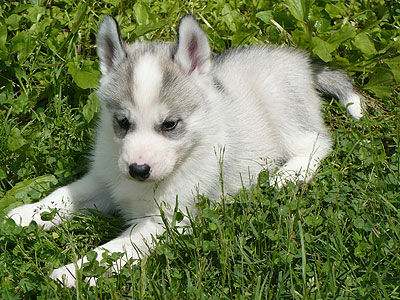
[174, 120]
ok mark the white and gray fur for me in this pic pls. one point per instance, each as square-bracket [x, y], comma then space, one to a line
[172, 116]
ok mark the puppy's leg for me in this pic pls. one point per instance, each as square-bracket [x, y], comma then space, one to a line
[86, 192]
[133, 243]
[306, 151]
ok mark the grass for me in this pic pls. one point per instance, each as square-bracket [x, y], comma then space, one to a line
[335, 238]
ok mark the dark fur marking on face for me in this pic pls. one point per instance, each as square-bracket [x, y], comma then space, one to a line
[176, 92]
[122, 125]
[168, 78]
[177, 132]
[118, 88]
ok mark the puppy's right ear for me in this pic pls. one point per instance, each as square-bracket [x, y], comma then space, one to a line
[193, 51]
[110, 47]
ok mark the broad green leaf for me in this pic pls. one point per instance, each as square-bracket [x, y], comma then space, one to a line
[41, 26]
[17, 43]
[20, 193]
[212, 227]
[72, 69]
[79, 16]
[91, 107]
[265, 16]
[301, 39]
[271, 234]
[179, 216]
[300, 9]
[335, 10]
[364, 43]
[93, 269]
[48, 215]
[3, 35]
[15, 140]
[359, 223]
[394, 65]
[209, 246]
[85, 79]
[26, 284]
[239, 37]
[143, 29]
[50, 43]
[227, 17]
[322, 24]
[21, 8]
[91, 255]
[381, 84]
[13, 21]
[322, 49]
[141, 14]
[34, 13]
[314, 221]
[20, 103]
[343, 34]
[362, 249]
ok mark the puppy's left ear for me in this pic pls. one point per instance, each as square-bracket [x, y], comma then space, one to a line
[193, 50]
[110, 47]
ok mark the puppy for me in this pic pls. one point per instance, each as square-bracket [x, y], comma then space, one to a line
[174, 119]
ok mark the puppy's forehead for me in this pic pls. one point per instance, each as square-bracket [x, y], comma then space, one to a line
[147, 79]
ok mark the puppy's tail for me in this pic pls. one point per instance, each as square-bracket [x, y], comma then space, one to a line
[338, 84]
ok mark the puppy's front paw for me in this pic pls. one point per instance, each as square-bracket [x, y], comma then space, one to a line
[65, 275]
[19, 216]
[25, 214]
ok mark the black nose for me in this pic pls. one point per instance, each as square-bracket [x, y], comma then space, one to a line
[140, 172]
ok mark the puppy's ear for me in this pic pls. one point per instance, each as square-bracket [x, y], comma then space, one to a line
[193, 51]
[110, 47]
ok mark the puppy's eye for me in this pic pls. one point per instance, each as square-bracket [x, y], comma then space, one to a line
[123, 123]
[169, 125]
